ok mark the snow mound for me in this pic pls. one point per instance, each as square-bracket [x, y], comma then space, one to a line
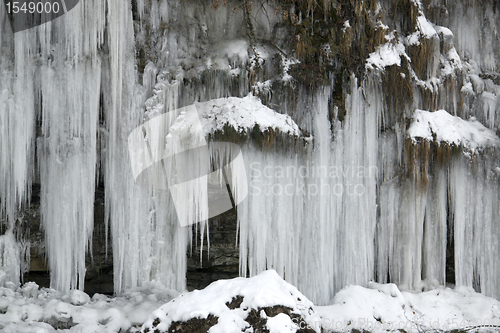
[384, 308]
[443, 127]
[235, 305]
[243, 114]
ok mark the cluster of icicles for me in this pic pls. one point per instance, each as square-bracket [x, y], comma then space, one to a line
[335, 214]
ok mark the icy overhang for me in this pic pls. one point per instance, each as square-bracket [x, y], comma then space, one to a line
[445, 128]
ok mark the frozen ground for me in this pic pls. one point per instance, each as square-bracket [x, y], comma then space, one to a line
[32, 310]
[375, 308]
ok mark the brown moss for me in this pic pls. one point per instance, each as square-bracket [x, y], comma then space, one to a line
[422, 57]
[417, 162]
[423, 156]
[269, 140]
[398, 90]
[443, 155]
[311, 75]
[337, 99]
[405, 13]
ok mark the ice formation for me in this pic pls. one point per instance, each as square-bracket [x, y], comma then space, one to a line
[362, 190]
[148, 243]
[10, 261]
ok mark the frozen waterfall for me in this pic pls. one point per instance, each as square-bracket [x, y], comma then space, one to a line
[369, 142]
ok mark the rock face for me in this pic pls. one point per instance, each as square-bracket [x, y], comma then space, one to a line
[221, 261]
[264, 303]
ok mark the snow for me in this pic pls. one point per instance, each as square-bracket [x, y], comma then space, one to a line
[443, 30]
[240, 113]
[382, 308]
[280, 323]
[376, 308]
[443, 127]
[346, 26]
[285, 64]
[143, 220]
[266, 289]
[243, 114]
[30, 309]
[386, 55]
[467, 88]
[451, 62]
[77, 297]
[426, 28]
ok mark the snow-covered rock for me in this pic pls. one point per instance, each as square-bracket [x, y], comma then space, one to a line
[237, 305]
[443, 127]
[243, 114]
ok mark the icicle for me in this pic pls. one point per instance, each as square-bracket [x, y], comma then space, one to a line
[17, 121]
[460, 187]
[473, 199]
[67, 159]
[70, 76]
[435, 230]
[312, 217]
[17, 133]
[148, 242]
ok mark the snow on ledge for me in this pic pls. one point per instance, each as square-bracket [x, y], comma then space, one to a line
[243, 114]
[443, 127]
